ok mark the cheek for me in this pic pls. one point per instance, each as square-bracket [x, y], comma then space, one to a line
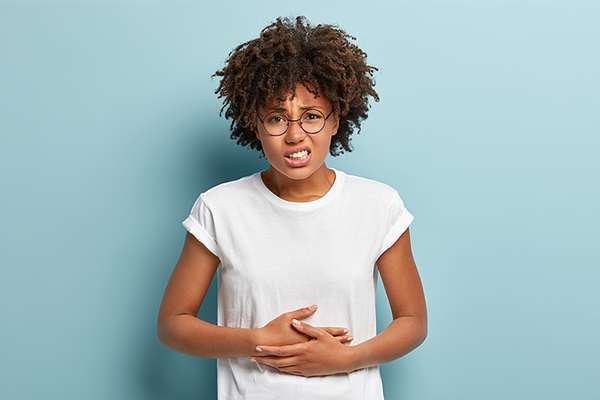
[268, 146]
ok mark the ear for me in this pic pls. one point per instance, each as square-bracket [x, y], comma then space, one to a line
[336, 125]
[255, 127]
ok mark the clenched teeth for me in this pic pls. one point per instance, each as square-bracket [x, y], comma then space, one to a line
[299, 155]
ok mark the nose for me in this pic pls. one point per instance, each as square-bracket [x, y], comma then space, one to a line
[295, 133]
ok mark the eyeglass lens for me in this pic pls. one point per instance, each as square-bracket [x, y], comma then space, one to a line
[311, 121]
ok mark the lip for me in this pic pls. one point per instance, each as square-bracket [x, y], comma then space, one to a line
[297, 163]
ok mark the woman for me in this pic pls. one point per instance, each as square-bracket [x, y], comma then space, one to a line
[296, 234]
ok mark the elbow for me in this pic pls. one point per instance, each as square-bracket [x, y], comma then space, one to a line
[412, 331]
[421, 331]
[418, 331]
[163, 333]
[422, 334]
[160, 333]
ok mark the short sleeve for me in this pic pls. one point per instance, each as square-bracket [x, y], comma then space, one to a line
[399, 219]
[200, 224]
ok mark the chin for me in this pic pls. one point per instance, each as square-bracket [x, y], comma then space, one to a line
[295, 173]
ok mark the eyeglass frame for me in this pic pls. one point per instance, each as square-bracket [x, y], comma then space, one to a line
[295, 120]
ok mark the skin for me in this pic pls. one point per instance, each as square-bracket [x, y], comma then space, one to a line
[287, 343]
[323, 355]
[308, 182]
[179, 329]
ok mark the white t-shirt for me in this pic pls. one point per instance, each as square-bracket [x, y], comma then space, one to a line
[278, 256]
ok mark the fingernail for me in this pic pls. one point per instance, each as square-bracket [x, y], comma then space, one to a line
[313, 307]
[350, 338]
[346, 330]
[252, 359]
[258, 349]
[295, 322]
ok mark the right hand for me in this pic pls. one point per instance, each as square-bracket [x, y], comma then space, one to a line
[280, 332]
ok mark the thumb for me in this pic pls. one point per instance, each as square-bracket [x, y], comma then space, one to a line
[303, 312]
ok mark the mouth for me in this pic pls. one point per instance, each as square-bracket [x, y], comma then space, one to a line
[298, 157]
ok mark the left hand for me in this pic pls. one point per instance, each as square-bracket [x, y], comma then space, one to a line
[322, 355]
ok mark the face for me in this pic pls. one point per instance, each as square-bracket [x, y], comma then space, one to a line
[296, 154]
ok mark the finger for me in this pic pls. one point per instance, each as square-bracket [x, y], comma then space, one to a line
[344, 338]
[309, 330]
[335, 331]
[276, 362]
[303, 312]
[280, 351]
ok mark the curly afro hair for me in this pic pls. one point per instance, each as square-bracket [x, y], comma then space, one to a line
[287, 52]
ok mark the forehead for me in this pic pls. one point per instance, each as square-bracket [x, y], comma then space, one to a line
[301, 99]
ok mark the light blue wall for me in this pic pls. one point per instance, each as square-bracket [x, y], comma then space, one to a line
[488, 126]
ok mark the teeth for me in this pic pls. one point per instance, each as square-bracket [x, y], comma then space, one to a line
[300, 154]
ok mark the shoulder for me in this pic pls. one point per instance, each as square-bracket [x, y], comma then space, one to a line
[377, 203]
[230, 190]
[367, 188]
[225, 195]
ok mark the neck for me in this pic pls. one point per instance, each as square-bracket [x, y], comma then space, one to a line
[299, 190]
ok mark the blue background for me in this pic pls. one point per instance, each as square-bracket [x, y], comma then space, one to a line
[488, 127]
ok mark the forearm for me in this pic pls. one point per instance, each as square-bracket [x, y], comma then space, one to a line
[402, 336]
[407, 302]
[190, 335]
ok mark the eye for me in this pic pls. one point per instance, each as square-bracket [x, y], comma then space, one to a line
[275, 119]
[312, 115]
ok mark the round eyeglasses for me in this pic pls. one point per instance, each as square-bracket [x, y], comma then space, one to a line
[311, 121]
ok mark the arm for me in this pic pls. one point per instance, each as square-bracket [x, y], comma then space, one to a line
[179, 329]
[324, 356]
[408, 328]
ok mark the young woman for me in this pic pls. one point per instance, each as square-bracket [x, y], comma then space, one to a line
[297, 247]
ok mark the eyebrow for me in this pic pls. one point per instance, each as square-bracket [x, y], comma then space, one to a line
[282, 109]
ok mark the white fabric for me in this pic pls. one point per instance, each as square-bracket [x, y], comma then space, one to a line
[277, 256]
